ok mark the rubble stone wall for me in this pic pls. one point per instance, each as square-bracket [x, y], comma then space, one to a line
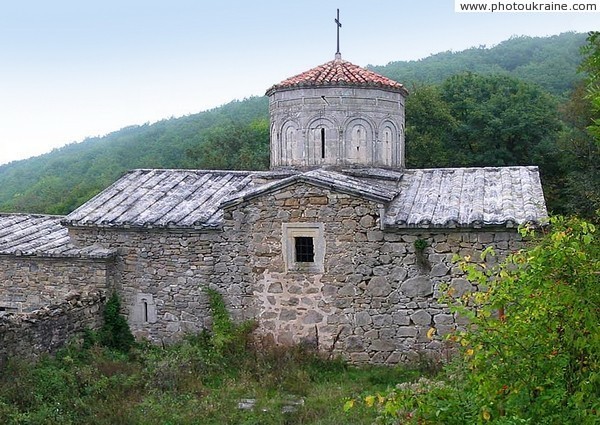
[30, 282]
[28, 335]
[377, 295]
[160, 275]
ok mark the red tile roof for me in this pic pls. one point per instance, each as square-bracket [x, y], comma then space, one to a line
[338, 72]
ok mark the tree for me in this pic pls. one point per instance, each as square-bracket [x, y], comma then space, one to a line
[502, 120]
[474, 120]
[233, 146]
[591, 65]
[572, 169]
[428, 127]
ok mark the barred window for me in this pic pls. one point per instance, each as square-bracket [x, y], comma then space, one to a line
[305, 249]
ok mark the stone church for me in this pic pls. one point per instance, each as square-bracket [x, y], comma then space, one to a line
[338, 245]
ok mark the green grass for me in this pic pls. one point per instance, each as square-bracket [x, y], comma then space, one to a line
[189, 383]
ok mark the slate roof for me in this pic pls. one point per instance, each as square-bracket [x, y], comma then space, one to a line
[41, 235]
[164, 198]
[430, 198]
[321, 178]
[338, 73]
[468, 197]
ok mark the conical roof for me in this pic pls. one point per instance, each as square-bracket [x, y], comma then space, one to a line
[335, 73]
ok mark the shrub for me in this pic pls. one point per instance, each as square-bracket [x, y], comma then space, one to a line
[115, 332]
[531, 353]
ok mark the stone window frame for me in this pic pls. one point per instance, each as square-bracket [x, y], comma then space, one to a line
[290, 231]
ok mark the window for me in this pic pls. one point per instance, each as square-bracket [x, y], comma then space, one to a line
[303, 247]
[322, 143]
[144, 310]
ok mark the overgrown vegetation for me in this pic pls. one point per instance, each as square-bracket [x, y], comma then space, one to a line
[531, 351]
[203, 380]
[115, 333]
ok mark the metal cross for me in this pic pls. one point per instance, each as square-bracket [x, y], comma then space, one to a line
[339, 25]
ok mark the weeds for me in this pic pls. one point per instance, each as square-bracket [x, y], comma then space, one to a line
[201, 380]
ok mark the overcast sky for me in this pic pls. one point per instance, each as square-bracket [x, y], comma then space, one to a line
[72, 68]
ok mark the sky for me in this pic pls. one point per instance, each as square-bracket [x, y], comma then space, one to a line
[71, 69]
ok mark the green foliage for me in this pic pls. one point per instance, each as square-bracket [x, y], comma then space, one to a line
[572, 166]
[115, 333]
[531, 352]
[591, 65]
[550, 62]
[200, 380]
[234, 146]
[475, 120]
[60, 181]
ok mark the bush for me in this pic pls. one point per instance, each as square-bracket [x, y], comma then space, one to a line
[115, 332]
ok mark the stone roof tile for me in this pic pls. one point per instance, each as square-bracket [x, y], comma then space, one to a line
[336, 181]
[442, 198]
[41, 235]
[468, 197]
[164, 198]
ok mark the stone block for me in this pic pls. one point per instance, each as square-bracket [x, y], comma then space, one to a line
[419, 286]
[312, 317]
[443, 319]
[401, 319]
[383, 345]
[354, 344]
[275, 288]
[406, 331]
[287, 314]
[439, 270]
[379, 287]
[421, 317]
[347, 290]
[374, 235]
[367, 222]
[460, 287]
[362, 318]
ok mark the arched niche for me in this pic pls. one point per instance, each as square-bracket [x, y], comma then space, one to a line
[388, 149]
[358, 142]
[292, 145]
[322, 135]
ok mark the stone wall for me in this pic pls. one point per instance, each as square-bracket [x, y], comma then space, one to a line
[370, 295]
[297, 117]
[159, 274]
[28, 335]
[30, 282]
[375, 298]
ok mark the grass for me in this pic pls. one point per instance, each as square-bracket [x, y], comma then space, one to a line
[190, 383]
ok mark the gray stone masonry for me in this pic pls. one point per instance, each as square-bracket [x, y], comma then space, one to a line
[160, 275]
[30, 282]
[355, 126]
[375, 299]
[28, 335]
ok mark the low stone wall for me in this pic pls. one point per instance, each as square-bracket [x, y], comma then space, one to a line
[31, 282]
[28, 335]
[160, 275]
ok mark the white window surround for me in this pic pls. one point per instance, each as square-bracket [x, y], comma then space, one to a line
[290, 231]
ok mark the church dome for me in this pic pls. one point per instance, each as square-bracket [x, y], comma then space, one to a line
[338, 73]
[337, 115]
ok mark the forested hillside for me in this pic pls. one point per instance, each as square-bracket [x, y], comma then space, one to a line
[63, 179]
[549, 62]
[517, 103]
